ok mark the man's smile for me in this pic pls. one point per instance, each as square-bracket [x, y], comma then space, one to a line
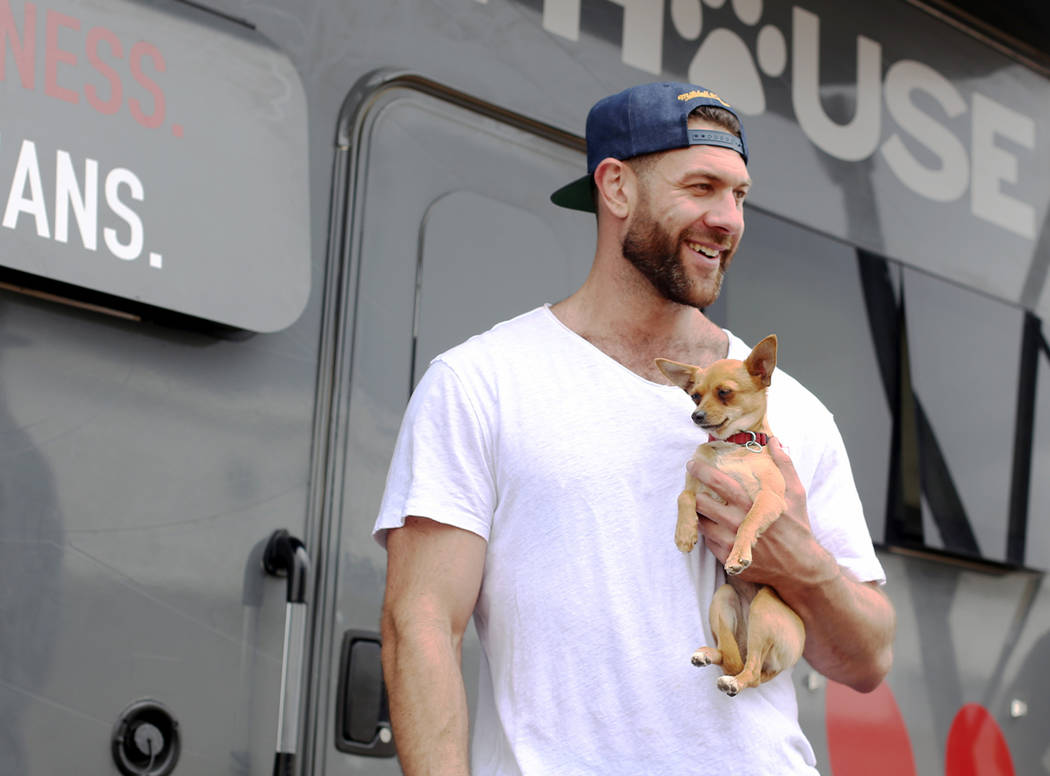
[707, 250]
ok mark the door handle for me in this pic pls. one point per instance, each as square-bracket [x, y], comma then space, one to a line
[362, 715]
[286, 556]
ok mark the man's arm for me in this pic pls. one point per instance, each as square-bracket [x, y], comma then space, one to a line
[849, 624]
[433, 579]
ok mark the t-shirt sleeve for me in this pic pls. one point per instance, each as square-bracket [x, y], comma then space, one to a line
[836, 513]
[441, 467]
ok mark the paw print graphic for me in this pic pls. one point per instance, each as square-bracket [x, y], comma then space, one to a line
[723, 60]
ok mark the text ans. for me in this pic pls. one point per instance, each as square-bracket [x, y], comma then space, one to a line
[27, 203]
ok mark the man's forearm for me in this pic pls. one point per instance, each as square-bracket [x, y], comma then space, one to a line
[433, 578]
[428, 703]
[849, 627]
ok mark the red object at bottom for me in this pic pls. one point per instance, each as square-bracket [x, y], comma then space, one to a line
[866, 733]
[976, 746]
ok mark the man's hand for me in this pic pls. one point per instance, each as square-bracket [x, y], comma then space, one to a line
[787, 553]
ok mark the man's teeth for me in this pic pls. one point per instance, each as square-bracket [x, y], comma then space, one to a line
[711, 253]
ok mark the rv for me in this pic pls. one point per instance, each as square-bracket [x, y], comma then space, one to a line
[233, 233]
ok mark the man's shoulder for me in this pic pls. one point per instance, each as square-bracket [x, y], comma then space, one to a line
[504, 342]
[481, 369]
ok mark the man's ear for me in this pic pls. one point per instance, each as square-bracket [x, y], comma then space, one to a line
[615, 186]
[679, 374]
[763, 359]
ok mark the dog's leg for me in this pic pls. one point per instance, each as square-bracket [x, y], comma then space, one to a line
[751, 675]
[775, 640]
[774, 622]
[766, 508]
[726, 617]
[687, 529]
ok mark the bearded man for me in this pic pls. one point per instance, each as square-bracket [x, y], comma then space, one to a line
[534, 484]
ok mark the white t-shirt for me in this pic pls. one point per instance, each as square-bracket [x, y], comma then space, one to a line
[569, 465]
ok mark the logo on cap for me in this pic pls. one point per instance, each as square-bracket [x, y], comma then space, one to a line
[702, 93]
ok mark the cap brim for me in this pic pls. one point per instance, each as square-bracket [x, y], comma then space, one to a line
[578, 195]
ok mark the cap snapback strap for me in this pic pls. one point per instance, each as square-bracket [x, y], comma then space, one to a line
[714, 138]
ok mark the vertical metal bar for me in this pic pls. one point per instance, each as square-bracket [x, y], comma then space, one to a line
[907, 456]
[291, 688]
[1024, 429]
[285, 555]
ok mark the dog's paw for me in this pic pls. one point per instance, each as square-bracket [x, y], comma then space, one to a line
[686, 539]
[728, 685]
[705, 656]
[685, 545]
[735, 566]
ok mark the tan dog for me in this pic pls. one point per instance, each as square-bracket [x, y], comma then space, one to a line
[756, 634]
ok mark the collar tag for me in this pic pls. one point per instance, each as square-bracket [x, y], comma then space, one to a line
[751, 440]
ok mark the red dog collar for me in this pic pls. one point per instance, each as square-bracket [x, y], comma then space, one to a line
[746, 438]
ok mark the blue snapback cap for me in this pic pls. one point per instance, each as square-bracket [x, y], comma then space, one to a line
[643, 120]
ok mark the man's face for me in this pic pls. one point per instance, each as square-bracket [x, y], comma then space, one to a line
[688, 221]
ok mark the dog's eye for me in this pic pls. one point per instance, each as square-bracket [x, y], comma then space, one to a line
[695, 397]
[724, 394]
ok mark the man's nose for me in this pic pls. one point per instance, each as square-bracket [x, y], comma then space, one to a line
[726, 214]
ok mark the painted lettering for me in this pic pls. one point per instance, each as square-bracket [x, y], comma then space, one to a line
[62, 64]
[53, 55]
[23, 49]
[994, 165]
[949, 181]
[989, 165]
[857, 139]
[95, 36]
[140, 51]
[643, 29]
[27, 175]
[643, 34]
[84, 202]
[562, 17]
[79, 201]
[131, 249]
[921, 151]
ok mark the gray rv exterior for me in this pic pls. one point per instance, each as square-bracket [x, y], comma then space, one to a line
[333, 193]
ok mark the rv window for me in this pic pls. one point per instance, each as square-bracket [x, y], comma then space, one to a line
[965, 357]
[502, 257]
[456, 212]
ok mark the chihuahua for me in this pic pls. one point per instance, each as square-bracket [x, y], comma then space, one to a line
[756, 634]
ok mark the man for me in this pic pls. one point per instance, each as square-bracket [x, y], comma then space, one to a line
[534, 486]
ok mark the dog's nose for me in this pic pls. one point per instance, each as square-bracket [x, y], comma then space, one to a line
[699, 417]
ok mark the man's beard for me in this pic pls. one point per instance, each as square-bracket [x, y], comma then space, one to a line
[656, 255]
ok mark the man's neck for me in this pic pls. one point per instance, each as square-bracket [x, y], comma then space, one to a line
[634, 325]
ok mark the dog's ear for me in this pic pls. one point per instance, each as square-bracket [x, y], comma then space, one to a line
[679, 374]
[763, 359]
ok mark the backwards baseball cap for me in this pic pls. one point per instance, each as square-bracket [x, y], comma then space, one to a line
[642, 120]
